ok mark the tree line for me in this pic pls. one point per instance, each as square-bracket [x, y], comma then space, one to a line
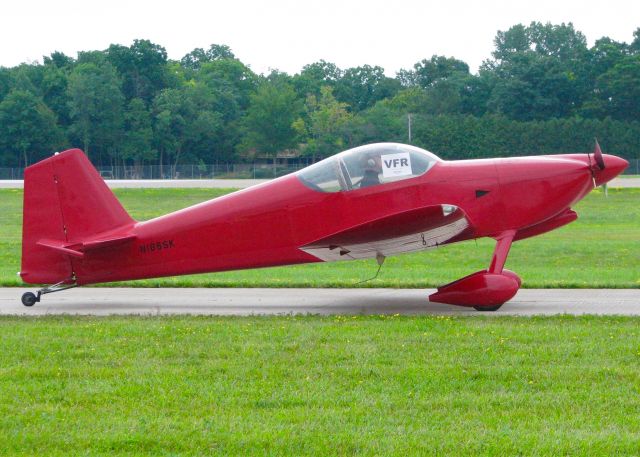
[543, 90]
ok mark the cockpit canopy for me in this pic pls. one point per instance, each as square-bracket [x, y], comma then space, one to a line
[366, 166]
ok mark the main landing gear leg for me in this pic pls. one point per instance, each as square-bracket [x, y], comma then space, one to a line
[30, 299]
[485, 290]
[500, 253]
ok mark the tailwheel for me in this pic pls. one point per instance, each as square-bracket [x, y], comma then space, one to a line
[29, 299]
[488, 308]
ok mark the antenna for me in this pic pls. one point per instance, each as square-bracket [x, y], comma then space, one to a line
[380, 259]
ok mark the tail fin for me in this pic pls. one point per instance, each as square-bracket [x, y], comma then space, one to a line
[66, 203]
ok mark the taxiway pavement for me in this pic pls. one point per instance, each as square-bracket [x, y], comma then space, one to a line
[244, 302]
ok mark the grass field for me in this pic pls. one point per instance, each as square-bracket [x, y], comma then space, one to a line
[600, 249]
[320, 386]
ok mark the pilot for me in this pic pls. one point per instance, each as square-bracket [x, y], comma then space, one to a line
[372, 169]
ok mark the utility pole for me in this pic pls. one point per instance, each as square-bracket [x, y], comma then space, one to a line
[409, 126]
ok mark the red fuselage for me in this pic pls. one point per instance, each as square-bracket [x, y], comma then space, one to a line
[266, 225]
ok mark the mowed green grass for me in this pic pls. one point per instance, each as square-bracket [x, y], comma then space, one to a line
[600, 249]
[320, 386]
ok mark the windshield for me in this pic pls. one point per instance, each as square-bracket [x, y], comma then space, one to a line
[366, 166]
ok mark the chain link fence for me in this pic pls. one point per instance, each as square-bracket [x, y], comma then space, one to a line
[214, 171]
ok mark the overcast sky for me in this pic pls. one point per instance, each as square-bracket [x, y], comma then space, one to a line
[287, 35]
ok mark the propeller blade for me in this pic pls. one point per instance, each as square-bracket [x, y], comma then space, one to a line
[591, 169]
[597, 154]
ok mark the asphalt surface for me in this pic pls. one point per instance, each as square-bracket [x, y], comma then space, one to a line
[243, 302]
[227, 183]
[625, 182]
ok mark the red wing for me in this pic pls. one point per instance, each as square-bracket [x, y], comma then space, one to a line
[413, 230]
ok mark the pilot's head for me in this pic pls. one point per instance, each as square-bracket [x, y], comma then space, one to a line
[372, 163]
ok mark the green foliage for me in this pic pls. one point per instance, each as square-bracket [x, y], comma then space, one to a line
[142, 68]
[6, 82]
[459, 136]
[315, 76]
[232, 81]
[210, 106]
[28, 130]
[328, 120]
[137, 142]
[605, 54]
[560, 41]
[362, 87]
[269, 122]
[379, 123]
[619, 90]
[427, 72]
[96, 106]
[196, 58]
[54, 87]
[635, 45]
[172, 111]
[534, 87]
[541, 72]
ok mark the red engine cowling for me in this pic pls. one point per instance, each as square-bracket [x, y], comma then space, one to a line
[480, 289]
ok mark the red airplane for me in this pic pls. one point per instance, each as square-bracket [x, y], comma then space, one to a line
[368, 202]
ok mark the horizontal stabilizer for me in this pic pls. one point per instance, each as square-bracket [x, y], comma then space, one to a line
[79, 249]
[61, 247]
[106, 242]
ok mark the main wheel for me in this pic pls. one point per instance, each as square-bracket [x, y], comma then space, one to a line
[487, 308]
[29, 299]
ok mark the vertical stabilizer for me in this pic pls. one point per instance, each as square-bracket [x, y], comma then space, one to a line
[65, 202]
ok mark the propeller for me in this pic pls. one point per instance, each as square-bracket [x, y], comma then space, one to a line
[599, 159]
[597, 153]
